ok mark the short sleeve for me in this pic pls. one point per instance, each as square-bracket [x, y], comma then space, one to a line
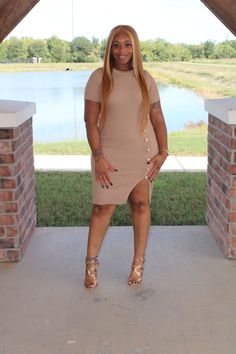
[93, 89]
[152, 88]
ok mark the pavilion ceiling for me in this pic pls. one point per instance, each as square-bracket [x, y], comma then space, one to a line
[225, 10]
[12, 12]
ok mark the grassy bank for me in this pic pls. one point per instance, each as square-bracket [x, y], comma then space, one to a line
[24, 67]
[190, 141]
[208, 78]
[64, 199]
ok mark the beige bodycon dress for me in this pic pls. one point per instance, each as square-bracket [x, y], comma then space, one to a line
[122, 143]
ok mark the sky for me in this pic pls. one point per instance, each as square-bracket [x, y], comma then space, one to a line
[177, 21]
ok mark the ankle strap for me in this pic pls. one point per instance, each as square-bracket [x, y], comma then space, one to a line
[87, 259]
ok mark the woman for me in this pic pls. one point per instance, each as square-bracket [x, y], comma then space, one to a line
[127, 135]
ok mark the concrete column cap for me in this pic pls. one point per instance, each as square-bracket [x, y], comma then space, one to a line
[223, 109]
[14, 113]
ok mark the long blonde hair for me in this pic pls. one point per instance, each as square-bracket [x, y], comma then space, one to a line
[107, 79]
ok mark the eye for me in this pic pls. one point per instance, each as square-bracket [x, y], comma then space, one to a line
[115, 45]
[128, 45]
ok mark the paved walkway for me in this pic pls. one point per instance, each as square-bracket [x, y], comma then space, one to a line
[82, 163]
[185, 305]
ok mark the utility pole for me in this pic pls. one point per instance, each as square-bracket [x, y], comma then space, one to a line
[72, 20]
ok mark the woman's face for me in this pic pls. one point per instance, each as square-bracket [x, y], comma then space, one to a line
[122, 51]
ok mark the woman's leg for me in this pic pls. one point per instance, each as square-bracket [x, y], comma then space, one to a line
[141, 215]
[140, 212]
[99, 222]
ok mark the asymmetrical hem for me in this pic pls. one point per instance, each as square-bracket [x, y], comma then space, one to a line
[123, 145]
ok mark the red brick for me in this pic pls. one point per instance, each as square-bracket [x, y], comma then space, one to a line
[225, 166]
[225, 177]
[8, 183]
[6, 158]
[5, 147]
[11, 207]
[7, 196]
[8, 243]
[5, 171]
[17, 132]
[224, 224]
[6, 134]
[2, 255]
[232, 217]
[27, 240]
[218, 124]
[211, 129]
[232, 192]
[18, 166]
[2, 231]
[232, 181]
[6, 220]
[223, 138]
[233, 143]
[232, 240]
[13, 256]
[11, 231]
[232, 229]
[16, 144]
[233, 253]
[232, 169]
[231, 204]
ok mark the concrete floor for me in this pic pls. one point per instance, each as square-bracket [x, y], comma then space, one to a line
[186, 304]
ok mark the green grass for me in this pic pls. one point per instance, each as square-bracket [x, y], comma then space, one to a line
[23, 67]
[209, 78]
[64, 199]
[77, 147]
[190, 141]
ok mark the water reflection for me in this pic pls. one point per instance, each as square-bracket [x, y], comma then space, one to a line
[59, 101]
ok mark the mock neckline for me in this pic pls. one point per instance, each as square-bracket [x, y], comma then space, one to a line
[122, 72]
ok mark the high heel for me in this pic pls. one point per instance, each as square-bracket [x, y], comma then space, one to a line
[90, 280]
[136, 273]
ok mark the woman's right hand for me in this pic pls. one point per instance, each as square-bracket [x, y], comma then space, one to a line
[102, 169]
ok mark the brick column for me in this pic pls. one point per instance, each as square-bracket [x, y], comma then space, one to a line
[221, 189]
[17, 187]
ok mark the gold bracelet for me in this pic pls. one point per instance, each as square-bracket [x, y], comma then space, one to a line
[164, 150]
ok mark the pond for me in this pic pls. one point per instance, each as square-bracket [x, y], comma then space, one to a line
[59, 103]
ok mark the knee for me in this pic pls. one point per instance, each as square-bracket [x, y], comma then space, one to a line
[139, 206]
[102, 210]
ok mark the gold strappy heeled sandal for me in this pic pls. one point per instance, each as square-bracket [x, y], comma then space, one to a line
[136, 273]
[90, 280]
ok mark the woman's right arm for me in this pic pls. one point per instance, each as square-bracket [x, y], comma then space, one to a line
[91, 116]
[102, 166]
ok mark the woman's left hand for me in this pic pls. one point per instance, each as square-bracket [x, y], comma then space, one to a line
[157, 162]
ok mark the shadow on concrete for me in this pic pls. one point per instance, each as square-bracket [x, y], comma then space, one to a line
[185, 305]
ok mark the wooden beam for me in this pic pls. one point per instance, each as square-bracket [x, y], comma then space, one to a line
[225, 11]
[12, 12]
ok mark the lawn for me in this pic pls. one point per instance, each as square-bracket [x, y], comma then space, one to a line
[64, 199]
[189, 141]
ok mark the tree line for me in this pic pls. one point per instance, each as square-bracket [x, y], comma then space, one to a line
[81, 49]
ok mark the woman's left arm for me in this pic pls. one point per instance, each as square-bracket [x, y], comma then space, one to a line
[159, 126]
